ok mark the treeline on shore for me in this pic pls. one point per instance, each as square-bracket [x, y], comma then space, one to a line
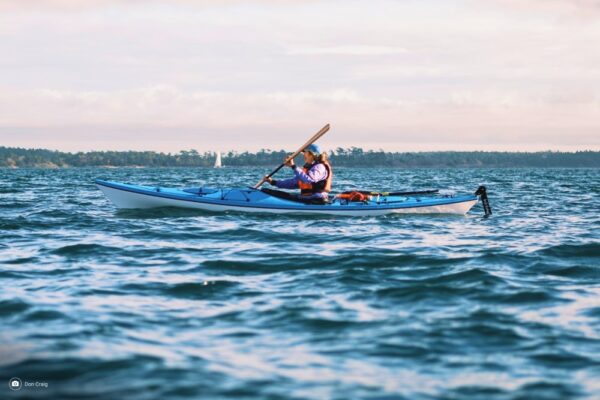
[344, 157]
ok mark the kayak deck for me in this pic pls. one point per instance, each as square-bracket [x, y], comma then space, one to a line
[129, 196]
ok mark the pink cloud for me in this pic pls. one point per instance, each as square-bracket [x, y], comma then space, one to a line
[73, 6]
[562, 8]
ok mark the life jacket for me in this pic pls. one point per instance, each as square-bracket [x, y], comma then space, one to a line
[307, 189]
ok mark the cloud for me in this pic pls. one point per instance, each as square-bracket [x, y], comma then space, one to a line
[166, 118]
[352, 50]
[580, 9]
[161, 105]
[86, 5]
[462, 73]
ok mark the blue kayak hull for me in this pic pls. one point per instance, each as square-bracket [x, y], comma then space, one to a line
[127, 196]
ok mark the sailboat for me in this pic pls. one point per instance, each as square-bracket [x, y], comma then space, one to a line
[218, 160]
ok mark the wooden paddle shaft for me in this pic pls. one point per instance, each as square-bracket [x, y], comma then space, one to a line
[313, 139]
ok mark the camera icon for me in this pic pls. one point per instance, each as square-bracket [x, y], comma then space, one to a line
[15, 384]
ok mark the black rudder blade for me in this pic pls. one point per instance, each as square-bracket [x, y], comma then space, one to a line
[482, 193]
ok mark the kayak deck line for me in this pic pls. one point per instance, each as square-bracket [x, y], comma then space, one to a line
[129, 196]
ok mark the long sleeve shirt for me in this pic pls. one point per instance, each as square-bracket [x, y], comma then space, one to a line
[316, 174]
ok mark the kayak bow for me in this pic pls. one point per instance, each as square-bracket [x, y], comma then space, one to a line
[127, 196]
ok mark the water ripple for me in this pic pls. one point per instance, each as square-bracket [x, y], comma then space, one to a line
[169, 303]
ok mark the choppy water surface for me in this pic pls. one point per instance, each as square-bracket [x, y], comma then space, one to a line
[173, 304]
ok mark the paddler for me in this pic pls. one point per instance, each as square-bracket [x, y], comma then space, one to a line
[313, 180]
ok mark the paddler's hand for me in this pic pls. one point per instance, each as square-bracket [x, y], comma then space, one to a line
[289, 162]
[270, 180]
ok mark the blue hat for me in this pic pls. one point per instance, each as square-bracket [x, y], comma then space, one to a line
[313, 148]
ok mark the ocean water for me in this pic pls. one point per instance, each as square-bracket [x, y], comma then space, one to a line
[176, 304]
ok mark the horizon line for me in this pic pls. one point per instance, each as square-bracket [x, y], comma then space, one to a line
[283, 150]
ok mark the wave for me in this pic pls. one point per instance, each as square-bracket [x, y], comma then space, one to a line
[44, 315]
[85, 249]
[521, 297]
[562, 359]
[188, 290]
[548, 389]
[22, 260]
[14, 306]
[579, 272]
[591, 250]
[158, 213]
[358, 261]
[14, 206]
[262, 265]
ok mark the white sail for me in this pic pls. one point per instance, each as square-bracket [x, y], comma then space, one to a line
[218, 160]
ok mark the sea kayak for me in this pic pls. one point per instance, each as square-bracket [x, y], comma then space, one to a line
[127, 196]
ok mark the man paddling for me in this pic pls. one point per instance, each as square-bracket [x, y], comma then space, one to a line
[313, 180]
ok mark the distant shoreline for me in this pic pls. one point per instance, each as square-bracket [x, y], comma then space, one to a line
[11, 157]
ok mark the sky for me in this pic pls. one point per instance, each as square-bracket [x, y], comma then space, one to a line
[423, 75]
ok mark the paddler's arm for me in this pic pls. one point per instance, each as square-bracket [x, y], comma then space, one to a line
[286, 183]
[283, 184]
[316, 174]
